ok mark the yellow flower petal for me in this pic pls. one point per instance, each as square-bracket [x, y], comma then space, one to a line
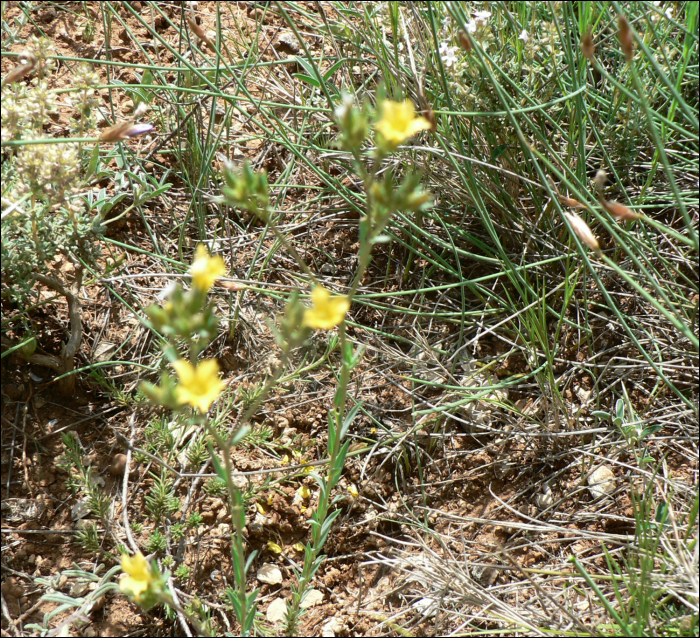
[138, 575]
[200, 386]
[136, 566]
[327, 312]
[399, 122]
[136, 588]
[304, 492]
[205, 269]
[274, 547]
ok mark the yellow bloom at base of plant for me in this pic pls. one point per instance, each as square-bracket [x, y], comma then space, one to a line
[399, 122]
[200, 386]
[327, 312]
[138, 577]
[206, 270]
[304, 492]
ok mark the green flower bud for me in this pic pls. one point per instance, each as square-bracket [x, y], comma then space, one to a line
[352, 123]
[27, 348]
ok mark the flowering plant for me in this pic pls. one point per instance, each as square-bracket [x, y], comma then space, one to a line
[396, 122]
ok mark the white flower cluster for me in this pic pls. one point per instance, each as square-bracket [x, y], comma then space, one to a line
[447, 53]
[25, 108]
[42, 48]
[479, 21]
[50, 172]
[668, 12]
[477, 27]
[86, 101]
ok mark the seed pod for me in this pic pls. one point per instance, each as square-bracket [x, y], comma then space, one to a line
[465, 41]
[601, 177]
[231, 285]
[20, 71]
[568, 201]
[588, 47]
[124, 131]
[584, 233]
[625, 36]
[618, 210]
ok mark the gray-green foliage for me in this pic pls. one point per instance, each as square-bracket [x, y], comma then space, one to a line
[32, 240]
[46, 217]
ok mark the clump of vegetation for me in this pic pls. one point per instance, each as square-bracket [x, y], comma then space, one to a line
[46, 229]
[50, 232]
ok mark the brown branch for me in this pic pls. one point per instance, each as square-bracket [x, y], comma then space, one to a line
[66, 362]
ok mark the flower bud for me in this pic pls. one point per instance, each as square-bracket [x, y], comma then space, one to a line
[352, 123]
[246, 189]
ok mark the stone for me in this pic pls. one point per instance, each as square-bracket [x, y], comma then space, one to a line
[277, 611]
[270, 575]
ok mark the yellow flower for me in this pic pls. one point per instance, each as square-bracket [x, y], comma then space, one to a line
[138, 577]
[304, 492]
[326, 312]
[205, 269]
[399, 122]
[274, 547]
[200, 386]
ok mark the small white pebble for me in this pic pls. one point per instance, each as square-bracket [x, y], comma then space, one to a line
[601, 481]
